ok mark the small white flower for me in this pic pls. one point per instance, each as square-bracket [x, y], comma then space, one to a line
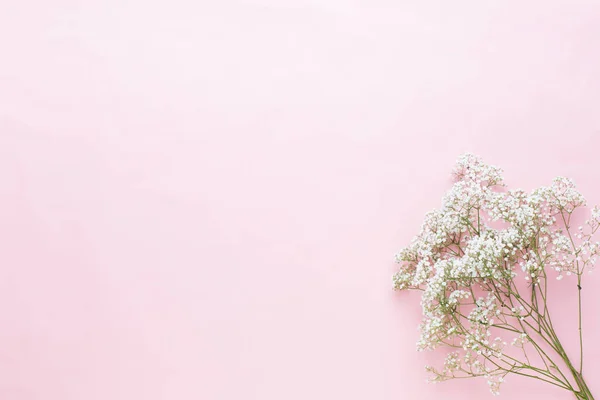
[469, 248]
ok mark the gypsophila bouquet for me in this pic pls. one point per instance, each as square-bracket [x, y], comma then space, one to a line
[483, 261]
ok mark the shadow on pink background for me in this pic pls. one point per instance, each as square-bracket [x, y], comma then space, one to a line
[202, 200]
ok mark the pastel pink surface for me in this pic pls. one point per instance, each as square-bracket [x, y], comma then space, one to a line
[202, 200]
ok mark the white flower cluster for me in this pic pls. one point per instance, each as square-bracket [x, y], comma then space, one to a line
[469, 252]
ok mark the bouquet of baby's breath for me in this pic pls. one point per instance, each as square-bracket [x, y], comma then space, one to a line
[482, 262]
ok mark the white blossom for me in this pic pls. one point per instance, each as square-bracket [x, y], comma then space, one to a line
[470, 253]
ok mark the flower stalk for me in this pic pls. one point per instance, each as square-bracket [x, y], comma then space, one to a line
[483, 261]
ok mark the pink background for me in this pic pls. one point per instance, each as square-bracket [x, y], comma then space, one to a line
[202, 199]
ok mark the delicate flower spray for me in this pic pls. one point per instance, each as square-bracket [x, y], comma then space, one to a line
[482, 262]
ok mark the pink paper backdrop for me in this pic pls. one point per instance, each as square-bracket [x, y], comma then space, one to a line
[202, 199]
